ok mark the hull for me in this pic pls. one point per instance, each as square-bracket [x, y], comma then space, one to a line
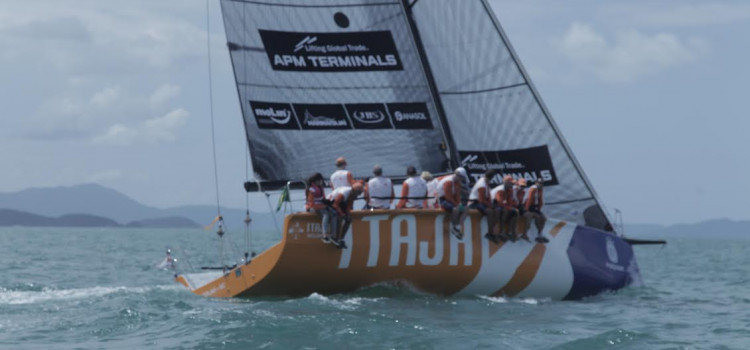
[413, 248]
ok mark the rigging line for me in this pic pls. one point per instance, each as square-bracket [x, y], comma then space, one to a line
[373, 87]
[248, 238]
[211, 104]
[483, 90]
[314, 6]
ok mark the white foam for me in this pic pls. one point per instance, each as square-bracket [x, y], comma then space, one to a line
[344, 304]
[9, 297]
[499, 300]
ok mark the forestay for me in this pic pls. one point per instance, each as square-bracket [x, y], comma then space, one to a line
[305, 69]
[494, 113]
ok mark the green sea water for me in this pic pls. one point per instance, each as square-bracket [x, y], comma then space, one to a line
[101, 289]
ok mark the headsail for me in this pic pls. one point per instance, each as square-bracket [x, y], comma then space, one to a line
[495, 114]
[306, 68]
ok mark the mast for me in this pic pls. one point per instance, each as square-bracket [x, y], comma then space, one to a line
[452, 151]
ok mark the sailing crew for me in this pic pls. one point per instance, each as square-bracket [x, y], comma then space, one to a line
[316, 204]
[480, 199]
[341, 177]
[379, 191]
[413, 191]
[533, 206]
[505, 201]
[343, 202]
[449, 193]
[432, 190]
[519, 192]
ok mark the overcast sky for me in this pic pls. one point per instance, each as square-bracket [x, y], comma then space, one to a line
[650, 95]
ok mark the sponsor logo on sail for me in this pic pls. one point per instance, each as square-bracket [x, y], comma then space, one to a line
[369, 117]
[321, 116]
[400, 116]
[272, 115]
[331, 52]
[278, 116]
[527, 163]
[470, 158]
[410, 115]
[321, 120]
[307, 40]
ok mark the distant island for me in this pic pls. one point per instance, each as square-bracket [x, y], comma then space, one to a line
[10, 217]
[93, 205]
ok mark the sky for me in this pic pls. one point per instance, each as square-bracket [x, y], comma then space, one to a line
[650, 95]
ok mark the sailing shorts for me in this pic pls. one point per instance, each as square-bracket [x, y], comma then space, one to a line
[478, 206]
[447, 206]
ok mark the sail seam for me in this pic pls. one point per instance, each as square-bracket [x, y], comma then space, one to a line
[483, 90]
[314, 6]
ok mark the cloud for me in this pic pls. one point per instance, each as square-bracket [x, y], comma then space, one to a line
[164, 128]
[152, 131]
[164, 93]
[117, 135]
[630, 55]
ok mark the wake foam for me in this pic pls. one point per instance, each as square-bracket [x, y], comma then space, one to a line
[12, 297]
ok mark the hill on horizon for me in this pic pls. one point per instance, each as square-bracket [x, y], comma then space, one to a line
[101, 201]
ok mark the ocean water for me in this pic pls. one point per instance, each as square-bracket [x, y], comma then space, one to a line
[63, 288]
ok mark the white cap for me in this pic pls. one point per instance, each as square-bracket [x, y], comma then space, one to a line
[461, 171]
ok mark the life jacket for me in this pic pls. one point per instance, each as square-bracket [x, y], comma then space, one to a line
[340, 178]
[315, 197]
[382, 187]
[417, 189]
[474, 194]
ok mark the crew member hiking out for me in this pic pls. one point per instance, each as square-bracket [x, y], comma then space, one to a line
[378, 191]
[343, 202]
[449, 192]
[480, 199]
[533, 206]
[413, 191]
[316, 204]
[519, 191]
[341, 177]
[504, 199]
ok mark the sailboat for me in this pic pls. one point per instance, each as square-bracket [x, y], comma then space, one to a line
[433, 84]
